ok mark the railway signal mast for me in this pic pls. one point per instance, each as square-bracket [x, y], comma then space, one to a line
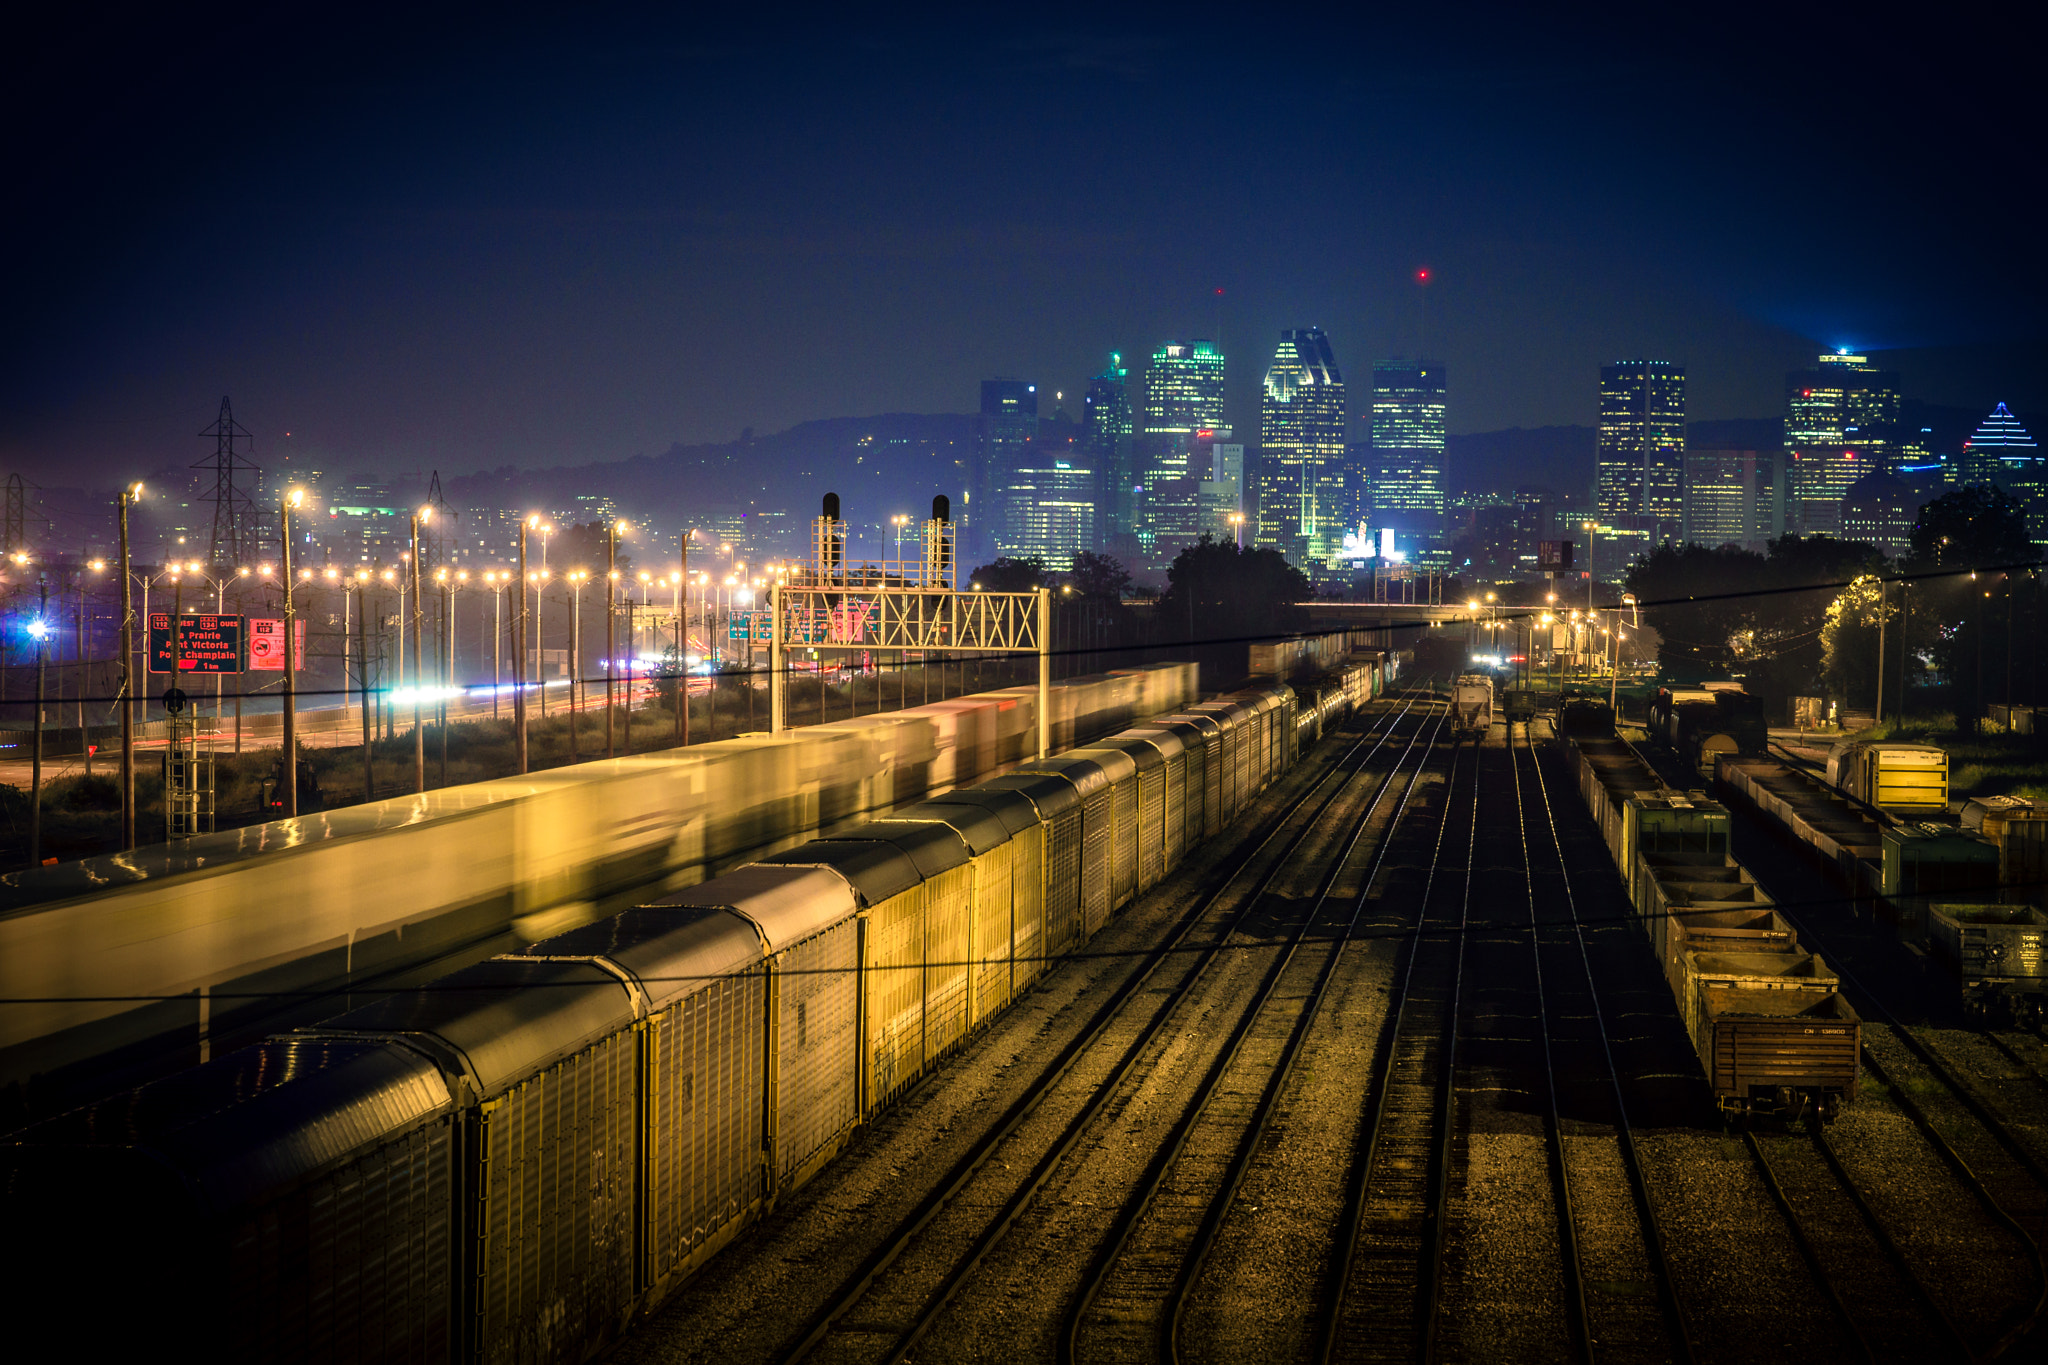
[902, 604]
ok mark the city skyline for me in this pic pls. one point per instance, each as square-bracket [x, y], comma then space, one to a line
[566, 244]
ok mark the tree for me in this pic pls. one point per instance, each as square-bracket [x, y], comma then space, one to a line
[1011, 574]
[583, 546]
[1849, 641]
[1978, 622]
[1760, 616]
[1217, 591]
[1697, 636]
[1103, 576]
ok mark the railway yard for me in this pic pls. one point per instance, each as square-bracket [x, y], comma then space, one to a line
[1391, 1073]
[1349, 1021]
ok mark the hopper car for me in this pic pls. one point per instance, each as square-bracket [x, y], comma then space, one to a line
[1472, 703]
[1773, 1032]
[1943, 886]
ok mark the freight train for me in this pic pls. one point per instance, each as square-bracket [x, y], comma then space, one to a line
[1943, 886]
[1702, 724]
[1472, 703]
[511, 1162]
[1769, 1022]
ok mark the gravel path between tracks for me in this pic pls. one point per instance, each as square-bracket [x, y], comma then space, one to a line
[1967, 1261]
[1747, 1290]
[1503, 1284]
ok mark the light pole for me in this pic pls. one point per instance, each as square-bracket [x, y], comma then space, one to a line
[540, 644]
[575, 578]
[84, 668]
[39, 631]
[419, 652]
[361, 580]
[495, 581]
[683, 644]
[679, 644]
[129, 497]
[519, 651]
[900, 520]
[611, 653]
[1237, 528]
[291, 673]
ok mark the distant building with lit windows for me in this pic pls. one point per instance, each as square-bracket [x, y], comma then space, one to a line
[1841, 423]
[1642, 441]
[1009, 424]
[1998, 448]
[1050, 512]
[1302, 509]
[2001, 451]
[1109, 426]
[1731, 498]
[1183, 395]
[1408, 435]
[1881, 509]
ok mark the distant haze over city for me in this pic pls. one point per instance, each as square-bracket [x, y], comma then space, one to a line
[563, 241]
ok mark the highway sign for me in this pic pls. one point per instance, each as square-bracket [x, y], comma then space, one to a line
[206, 644]
[266, 645]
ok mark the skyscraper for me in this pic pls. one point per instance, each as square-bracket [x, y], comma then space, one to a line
[1301, 505]
[1009, 423]
[2000, 451]
[1183, 395]
[1049, 510]
[1408, 410]
[1730, 498]
[1841, 422]
[1108, 426]
[1642, 440]
[1998, 448]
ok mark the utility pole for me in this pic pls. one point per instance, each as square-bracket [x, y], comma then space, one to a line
[129, 496]
[41, 631]
[683, 651]
[1882, 593]
[419, 736]
[291, 671]
[519, 651]
[611, 581]
[363, 679]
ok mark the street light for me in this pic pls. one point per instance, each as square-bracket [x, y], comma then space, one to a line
[130, 495]
[575, 578]
[291, 499]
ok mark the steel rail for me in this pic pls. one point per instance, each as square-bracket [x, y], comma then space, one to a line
[1163, 1162]
[971, 1162]
[1807, 1251]
[1352, 1217]
[1892, 1249]
[1877, 1011]
[1653, 1233]
[1241, 1161]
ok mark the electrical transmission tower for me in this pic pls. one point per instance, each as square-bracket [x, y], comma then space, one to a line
[236, 539]
[440, 540]
[23, 518]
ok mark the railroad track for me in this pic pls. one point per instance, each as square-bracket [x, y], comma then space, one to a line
[1620, 1294]
[1162, 1241]
[1861, 1262]
[945, 1250]
[1387, 1273]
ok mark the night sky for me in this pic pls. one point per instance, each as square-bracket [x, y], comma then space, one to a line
[473, 238]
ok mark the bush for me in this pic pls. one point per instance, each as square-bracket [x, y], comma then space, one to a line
[87, 794]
